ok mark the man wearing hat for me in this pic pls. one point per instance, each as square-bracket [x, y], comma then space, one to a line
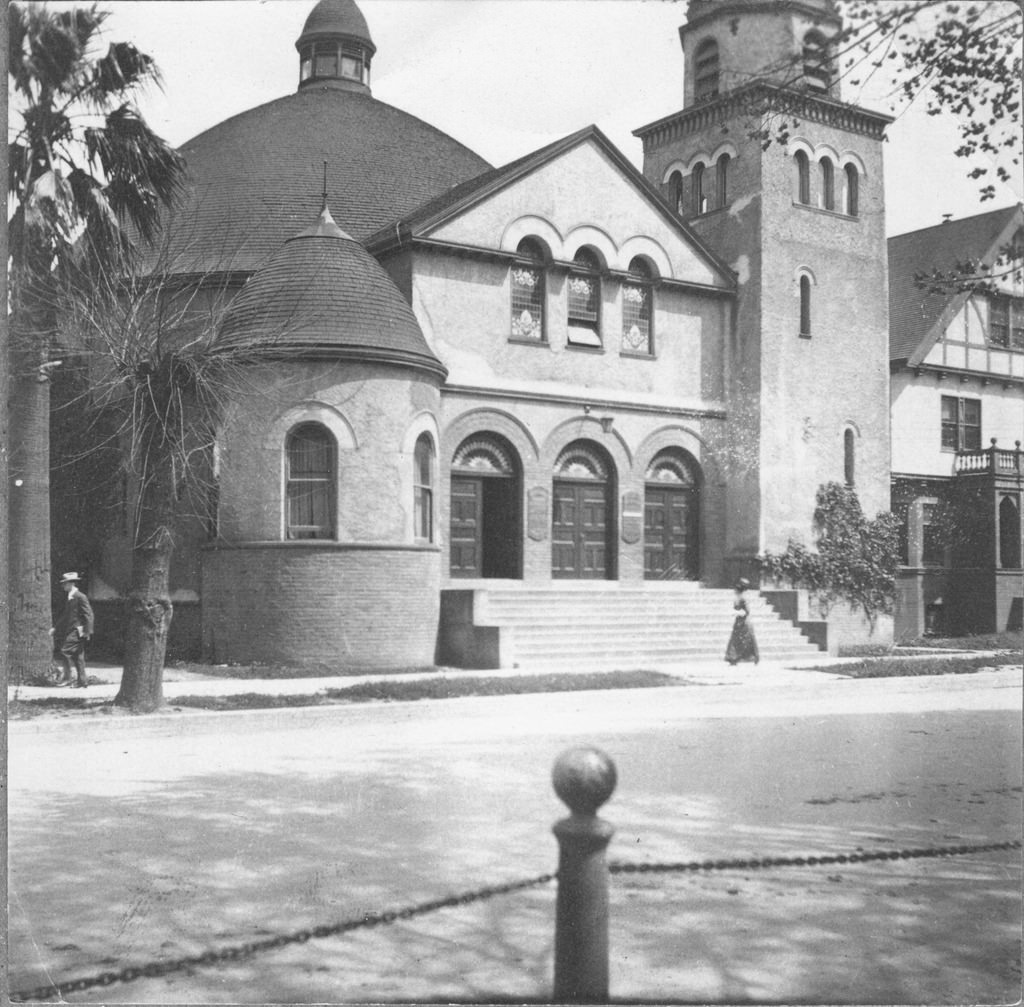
[74, 627]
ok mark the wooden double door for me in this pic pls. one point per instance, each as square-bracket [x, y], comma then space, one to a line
[671, 533]
[581, 545]
[485, 529]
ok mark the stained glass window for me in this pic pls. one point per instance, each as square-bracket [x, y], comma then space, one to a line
[584, 300]
[527, 284]
[636, 310]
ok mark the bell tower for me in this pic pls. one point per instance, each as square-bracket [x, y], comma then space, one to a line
[783, 180]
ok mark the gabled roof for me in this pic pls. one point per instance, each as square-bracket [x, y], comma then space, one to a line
[462, 197]
[917, 315]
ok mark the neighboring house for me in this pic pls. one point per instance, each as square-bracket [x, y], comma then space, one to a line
[957, 388]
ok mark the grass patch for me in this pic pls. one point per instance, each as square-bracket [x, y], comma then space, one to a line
[435, 688]
[893, 667]
[1013, 640]
[260, 671]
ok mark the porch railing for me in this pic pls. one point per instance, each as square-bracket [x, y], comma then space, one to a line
[991, 460]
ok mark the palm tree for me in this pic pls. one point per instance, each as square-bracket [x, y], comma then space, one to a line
[86, 175]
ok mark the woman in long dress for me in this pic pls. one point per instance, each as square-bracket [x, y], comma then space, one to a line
[742, 643]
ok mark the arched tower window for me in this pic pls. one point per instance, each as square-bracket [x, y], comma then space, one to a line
[698, 203]
[722, 179]
[852, 190]
[805, 307]
[1009, 534]
[849, 456]
[706, 73]
[527, 290]
[585, 300]
[423, 489]
[310, 473]
[803, 177]
[817, 61]
[675, 191]
[637, 309]
[828, 183]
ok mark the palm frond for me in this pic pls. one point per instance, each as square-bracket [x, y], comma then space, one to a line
[121, 70]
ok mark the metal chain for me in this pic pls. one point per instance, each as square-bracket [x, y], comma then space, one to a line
[757, 863]
[240, 951]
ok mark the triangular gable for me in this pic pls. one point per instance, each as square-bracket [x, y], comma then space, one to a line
[581, 182]
[918, 317]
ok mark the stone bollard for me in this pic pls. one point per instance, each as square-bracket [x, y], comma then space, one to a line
[584, 779]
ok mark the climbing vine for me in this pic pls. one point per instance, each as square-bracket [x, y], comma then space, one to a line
[854, 558]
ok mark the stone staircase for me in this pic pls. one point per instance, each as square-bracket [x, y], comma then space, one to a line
[603, 627]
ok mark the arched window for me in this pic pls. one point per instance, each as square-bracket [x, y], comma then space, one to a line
[705, 80]
[675, 191]
[585, 300]
[310, 467]
[828, 183]
[849, 456]
[423, 489]
[1009, 534]
[722, 179]
[852, 190]
[698, 204]
[817, 61]
[805, 307]
[637, 309]
[803, 177]
[527, 286]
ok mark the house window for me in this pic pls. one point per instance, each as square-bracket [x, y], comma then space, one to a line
[849, 456]
[852, 190]
[805, 307]
[803, 177]
[817, 61]
[1006, 322]
[637, 297]
[1009, 534]
[585, 300]
[527, 285]
[932, 552]
[310, 459]
[706, 76]
[423, 489]
[675, 191]
[722, 179]
[828, 183]
[961, 424]
[698, 204]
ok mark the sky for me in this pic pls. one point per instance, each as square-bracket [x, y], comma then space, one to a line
[502, 76]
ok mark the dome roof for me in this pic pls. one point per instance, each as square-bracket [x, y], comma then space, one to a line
[336, 17]
[255, 179]
[323, 295]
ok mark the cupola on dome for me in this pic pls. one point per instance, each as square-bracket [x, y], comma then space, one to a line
[323, 296]
[335, 46]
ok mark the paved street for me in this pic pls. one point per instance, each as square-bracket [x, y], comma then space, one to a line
[139, 839]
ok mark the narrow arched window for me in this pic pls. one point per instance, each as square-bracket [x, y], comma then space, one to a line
[817, 61]
[698, 204]
[585, 300]
[852, 190]
[706, 75]
[849, 457]
[722, 179]
[1009, 534]
[527, 291]
[805, 307]
[828, 183]
[310, 462]
[637, 309]
[423, 489]
[803, 177]
[675, 191]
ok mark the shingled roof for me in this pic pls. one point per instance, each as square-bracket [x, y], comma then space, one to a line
[913, 310]
[256, 178]
[336, 17]
[323, 295]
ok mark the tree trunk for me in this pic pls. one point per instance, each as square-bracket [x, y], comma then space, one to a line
[149, 601]
[29, 585]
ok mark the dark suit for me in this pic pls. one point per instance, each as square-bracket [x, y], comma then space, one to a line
[74, 627]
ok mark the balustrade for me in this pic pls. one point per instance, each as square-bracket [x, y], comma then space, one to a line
[992, 460]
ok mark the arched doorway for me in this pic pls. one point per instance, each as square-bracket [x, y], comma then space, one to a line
[672, 517]
[485, 525]
[582, 514]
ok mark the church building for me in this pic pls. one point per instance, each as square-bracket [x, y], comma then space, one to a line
[543, 413]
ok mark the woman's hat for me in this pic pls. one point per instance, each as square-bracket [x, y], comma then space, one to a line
[69, 578]
[742, 584]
